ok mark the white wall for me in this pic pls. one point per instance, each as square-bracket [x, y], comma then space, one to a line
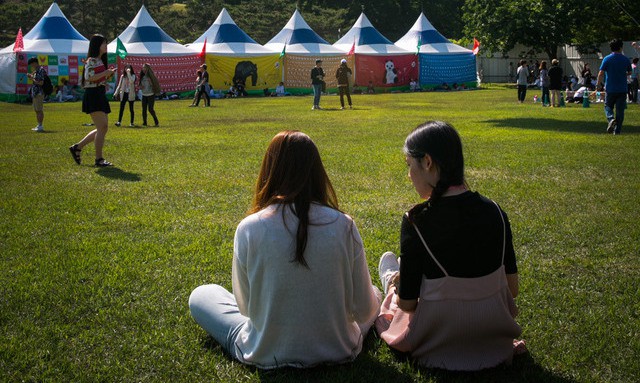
[496, 68]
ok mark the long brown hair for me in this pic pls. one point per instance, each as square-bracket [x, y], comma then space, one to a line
[155, 84]
[292, 174]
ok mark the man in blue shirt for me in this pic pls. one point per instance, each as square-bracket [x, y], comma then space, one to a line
[617, 67]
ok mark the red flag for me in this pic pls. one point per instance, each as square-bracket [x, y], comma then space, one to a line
[476, 46]
[352, 51]
[203, 54]
[19, 45]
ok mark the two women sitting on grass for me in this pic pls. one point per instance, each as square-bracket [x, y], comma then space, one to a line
[302, 293]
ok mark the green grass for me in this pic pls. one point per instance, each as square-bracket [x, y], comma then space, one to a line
[98, 264]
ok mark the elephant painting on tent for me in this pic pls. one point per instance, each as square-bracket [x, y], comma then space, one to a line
[257, 73]
[245, 69]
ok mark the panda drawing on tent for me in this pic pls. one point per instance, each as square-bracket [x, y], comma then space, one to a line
[391, 73]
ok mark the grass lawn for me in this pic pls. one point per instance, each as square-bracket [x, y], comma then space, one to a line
[97, 264]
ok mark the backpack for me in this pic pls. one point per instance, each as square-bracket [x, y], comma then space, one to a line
[47, 86]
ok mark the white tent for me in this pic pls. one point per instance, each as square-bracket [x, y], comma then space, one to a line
[441, 61]
[225, 38]
[300, 39]
[378, 62]
[368, 40]
[143, 37]
[173, 64]
[58, 46]
[53, 34]
[302, 46]
[431, 41]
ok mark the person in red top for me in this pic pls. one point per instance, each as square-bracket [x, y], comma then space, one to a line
[95, 103]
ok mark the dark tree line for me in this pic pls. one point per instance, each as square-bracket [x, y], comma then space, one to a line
[498, 24]
[186, 20]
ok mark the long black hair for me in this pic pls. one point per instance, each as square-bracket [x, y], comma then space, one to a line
[94, 51]
[442, 142]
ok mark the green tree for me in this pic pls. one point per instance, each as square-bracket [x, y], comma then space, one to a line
[543, 25]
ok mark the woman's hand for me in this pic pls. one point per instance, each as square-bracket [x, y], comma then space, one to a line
[408, 305]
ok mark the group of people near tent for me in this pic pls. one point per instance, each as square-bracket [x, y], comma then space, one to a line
[230, 53]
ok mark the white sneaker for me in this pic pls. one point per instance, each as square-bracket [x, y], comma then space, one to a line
[38, 128]
[313, 107]
[342, 108]
[387, 267]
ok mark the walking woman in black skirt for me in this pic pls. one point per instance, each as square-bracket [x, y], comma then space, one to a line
[95, 103]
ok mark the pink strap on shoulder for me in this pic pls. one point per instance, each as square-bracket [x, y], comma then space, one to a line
[427, 247]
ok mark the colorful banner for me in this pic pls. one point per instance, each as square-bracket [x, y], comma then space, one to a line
[175, 73]
[257, 73]
[386, 71]
[58, 67]
[449, 68]
[297, 72]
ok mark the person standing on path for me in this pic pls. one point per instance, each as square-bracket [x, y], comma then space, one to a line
[317, 80]
[37, 76]
[616, 67]
[94, 102]
[521, 80]
[343, 74]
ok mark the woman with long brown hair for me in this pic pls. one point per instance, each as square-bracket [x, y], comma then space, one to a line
[150, 87]
[302, 292]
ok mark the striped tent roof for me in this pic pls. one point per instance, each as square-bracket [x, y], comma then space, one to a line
[300, 39]
[53, 34]
[367, 40]
[224, 37]
[431, 41]
[143, 37]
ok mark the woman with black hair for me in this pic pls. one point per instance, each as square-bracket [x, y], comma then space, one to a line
[302, 292]
[450, 301]
[94, 102]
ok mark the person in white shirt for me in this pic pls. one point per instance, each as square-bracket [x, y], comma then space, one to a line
[302, 293]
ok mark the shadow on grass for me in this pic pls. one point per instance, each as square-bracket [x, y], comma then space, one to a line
[523, 369]
[119, 174]
[368, 368]
[550, 124]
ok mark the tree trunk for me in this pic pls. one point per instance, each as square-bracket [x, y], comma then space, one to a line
[552, 52]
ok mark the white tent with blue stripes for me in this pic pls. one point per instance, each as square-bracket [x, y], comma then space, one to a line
[367, 40]
[441, 61]
[58, 47]
[225, 38]
[53, 34]
[300, 39]
[146, 43]
[143, 37]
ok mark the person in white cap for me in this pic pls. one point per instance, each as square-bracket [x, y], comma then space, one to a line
[343, 74]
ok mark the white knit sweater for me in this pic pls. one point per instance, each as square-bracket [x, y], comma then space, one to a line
[297, 316]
